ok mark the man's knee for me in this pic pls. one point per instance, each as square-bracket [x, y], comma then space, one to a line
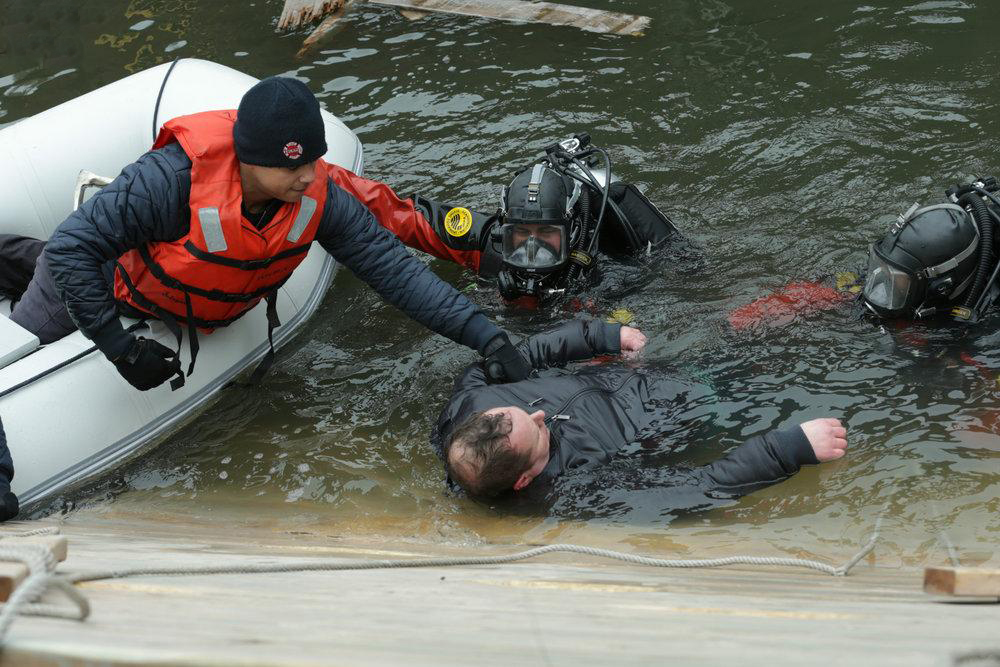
[18, 255]
[40, 309]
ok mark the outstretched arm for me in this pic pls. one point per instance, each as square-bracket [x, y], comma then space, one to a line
[578, 340]
[349, 232]
[418, 227]
[758, 463]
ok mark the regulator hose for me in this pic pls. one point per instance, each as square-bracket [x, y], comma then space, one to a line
[982, 216]
[575, 268]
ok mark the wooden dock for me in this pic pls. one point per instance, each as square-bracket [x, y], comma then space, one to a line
[556, 610]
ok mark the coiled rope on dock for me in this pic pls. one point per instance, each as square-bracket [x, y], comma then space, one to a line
[43, 576]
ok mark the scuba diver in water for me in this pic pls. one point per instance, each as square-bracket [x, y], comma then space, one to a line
[554, 220]
[937, 262]
[549, 435]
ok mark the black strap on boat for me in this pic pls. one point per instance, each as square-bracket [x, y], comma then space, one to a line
[272, 323]
[63, 364]
[159, 96]
[192, 333]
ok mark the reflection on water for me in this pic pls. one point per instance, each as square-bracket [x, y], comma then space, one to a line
[780, 138]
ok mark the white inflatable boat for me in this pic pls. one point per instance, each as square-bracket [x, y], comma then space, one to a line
[83, 418]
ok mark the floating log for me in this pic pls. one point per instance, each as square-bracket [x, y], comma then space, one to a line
[965, 581]
[297, 13]
[412, 14]
[592, 20]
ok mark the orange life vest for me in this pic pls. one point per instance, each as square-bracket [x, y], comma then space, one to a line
[224, 266]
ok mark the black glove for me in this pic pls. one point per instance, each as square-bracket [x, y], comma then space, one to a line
[148, 364]
[503, 362]
[9, 507]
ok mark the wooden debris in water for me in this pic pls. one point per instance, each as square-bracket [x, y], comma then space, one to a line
[592, 20]
[297, 13]
[412, 14]
[321, 30]
[965, 581]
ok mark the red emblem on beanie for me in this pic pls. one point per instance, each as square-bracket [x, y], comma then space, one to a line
[293, 150]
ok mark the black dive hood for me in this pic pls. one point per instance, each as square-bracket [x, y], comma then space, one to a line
[548, 225]
[926, 262]
[535, 230]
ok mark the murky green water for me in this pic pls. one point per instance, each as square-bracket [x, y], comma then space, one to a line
[780, 136]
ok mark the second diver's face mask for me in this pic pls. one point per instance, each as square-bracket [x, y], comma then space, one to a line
[887, 287]
[534, 247]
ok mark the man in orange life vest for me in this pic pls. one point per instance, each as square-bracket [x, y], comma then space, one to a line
[214, 219]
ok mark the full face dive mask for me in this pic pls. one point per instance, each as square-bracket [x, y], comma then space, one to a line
[925, 262]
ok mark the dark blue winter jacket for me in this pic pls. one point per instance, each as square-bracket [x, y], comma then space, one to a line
[149, 202]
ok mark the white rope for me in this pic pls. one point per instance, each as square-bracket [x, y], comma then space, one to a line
[41, 564]
[43, 576]
[337, 564]
[30, 533]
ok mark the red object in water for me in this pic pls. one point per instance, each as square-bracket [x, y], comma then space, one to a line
[784, 305]
[523, 302]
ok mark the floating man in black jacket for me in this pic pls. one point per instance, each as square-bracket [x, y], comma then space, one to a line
[523, 435]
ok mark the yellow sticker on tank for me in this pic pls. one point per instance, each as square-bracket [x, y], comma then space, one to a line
[458, 222]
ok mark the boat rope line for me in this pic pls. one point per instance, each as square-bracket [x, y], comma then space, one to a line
[159, 98]
[43, 576]
[62, 364]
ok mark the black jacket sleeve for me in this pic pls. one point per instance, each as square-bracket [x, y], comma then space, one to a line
[350, 233]
[147, 202]
[573, 341]
[758, 463]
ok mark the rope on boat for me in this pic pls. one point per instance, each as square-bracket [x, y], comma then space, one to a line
[43, 576]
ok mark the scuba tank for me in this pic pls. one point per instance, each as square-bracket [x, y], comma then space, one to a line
[972, 197]
[577, 158]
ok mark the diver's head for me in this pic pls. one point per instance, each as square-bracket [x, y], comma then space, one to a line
[925, 263]
[537, 227]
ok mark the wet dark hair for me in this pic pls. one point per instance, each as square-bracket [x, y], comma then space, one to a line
[485, 443]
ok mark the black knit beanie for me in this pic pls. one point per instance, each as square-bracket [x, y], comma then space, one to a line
[279, 124]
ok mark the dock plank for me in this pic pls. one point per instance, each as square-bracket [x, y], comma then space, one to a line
[562, 609]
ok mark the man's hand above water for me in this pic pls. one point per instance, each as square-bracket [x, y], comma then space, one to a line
[828, 438]
[632, 340]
